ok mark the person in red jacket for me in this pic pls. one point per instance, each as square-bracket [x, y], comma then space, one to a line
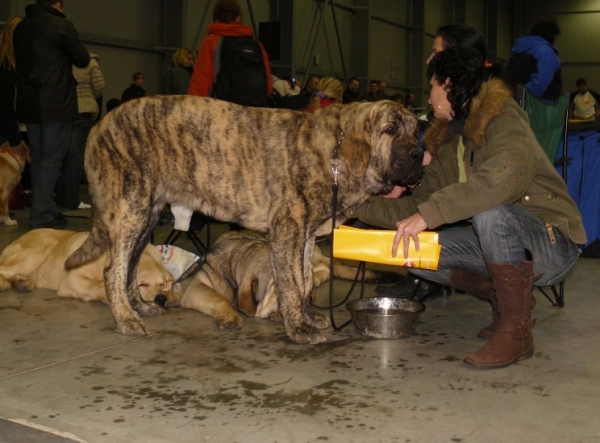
[227, 17]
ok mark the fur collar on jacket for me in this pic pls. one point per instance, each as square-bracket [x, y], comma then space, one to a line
[486, 106]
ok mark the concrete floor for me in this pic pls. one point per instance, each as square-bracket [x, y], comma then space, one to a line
[65, 375]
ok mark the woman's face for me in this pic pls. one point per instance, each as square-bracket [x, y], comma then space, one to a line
[438, 46]
[438, 100]
[189, 60]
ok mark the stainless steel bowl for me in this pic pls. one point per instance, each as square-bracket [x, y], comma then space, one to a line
[385, 317]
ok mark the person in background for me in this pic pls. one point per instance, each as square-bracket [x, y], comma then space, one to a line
[286, 86]
[46, 47]
[330, 91]
[90, 85]
[112, 104]
[534, 62]
[136, 89]
[585, 103]
[227, 22]
[351, 92]
[409, 101]
[457, 36]
[179, 74]
[373, 94]
[487, 169]
[9, 125]
[311, 87]
[398, 98]
[382, 87]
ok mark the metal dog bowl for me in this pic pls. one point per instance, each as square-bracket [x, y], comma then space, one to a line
[385, 317]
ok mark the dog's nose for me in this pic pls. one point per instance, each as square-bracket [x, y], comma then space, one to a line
[161, 299]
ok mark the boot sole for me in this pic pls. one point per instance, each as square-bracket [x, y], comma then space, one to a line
[524, 356]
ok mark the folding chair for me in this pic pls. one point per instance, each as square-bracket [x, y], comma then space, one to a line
[549, 124]
[197, 223]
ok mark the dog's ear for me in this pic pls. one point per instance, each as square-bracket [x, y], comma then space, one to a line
[25, 150]
[246, 299]
[356, 153]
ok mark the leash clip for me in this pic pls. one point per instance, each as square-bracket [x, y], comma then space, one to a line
[335, 157]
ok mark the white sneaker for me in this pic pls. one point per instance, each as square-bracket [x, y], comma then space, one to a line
[83, 205]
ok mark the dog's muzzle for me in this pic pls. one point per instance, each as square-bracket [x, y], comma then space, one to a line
[407, 166]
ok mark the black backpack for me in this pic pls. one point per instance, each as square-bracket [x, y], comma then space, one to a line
[242, 78]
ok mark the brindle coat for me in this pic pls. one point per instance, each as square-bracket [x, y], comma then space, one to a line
[265, 169]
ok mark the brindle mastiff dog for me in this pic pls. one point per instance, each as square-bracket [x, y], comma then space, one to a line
[265, 169]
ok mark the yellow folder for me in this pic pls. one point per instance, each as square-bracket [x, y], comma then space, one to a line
[375, 246]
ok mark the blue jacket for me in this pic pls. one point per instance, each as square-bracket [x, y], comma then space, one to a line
[534, 63]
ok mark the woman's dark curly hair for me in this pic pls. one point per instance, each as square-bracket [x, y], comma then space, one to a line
[464, 70]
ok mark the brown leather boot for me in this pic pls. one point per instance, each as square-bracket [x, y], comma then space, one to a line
[482, 287]
[512, 339]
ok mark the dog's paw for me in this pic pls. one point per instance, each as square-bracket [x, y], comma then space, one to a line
[23, 283]
[276, 316]
[9, 222]
[132, 326]
[149, 309]
[233, 321]
[317, 320]
[4, 284]
[305, 334]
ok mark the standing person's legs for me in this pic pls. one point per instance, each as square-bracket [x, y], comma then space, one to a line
[67, 188]
[48, 145]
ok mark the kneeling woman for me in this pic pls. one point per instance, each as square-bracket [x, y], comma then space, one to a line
[489, 169]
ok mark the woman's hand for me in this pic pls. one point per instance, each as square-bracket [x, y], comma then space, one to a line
[396, 192]
[407, 229]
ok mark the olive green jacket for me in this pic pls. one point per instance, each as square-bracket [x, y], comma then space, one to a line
[504, 164]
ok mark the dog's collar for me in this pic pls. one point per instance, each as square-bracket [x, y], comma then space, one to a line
[335, 156]
[9, 152]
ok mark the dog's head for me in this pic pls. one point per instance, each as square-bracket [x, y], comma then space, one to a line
[155, 283]
[380, 145]
[21, 152]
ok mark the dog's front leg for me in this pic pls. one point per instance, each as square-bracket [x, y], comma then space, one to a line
[293, 290]
[314, 318]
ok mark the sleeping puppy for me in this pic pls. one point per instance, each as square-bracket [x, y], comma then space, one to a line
[237, 274]
[11, 167]
[36, 260]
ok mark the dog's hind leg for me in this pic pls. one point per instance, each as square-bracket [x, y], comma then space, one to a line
[128, 241]
[204, 299]
[144, 308]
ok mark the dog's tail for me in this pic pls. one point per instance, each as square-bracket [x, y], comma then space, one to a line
[91, 249]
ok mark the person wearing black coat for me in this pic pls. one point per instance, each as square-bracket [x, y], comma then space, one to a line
[136, 89]
[9, 125]
[46, 46]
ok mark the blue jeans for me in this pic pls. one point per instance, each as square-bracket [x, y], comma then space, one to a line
[67, 188]
[48, 145]
[501, 235]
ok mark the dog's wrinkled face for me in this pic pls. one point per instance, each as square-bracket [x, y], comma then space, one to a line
[396, 159]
